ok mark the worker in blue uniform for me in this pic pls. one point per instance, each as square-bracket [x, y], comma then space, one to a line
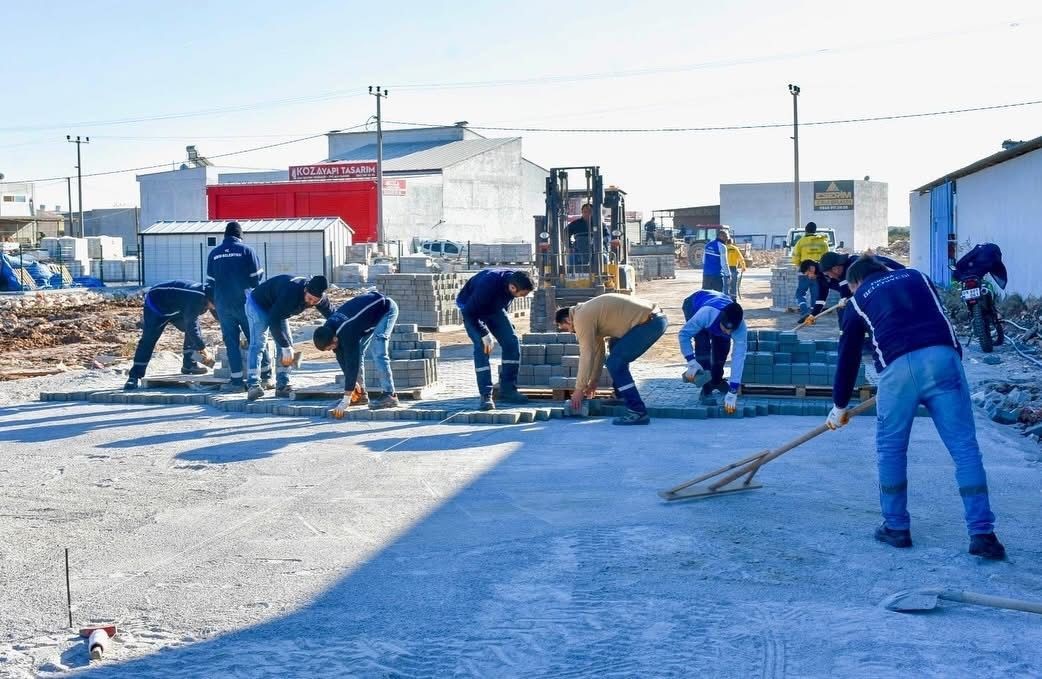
[269, 306]
[830, 273]
[715, 271]
[233, 268]
[483, 302]
[361, 325]
[919, 361]
[713, 321]
[177, 303]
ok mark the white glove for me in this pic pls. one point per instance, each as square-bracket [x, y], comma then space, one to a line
[695, 373]
[489, 341]
[731, 402]
[842, 302]
[207, 358]
[342, 407]
[837, 418]
[286, 356]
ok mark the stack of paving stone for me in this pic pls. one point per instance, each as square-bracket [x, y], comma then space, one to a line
[782, 358]
[414, 360]
[493, 254]
[415, 264]
[784, 279]
[653, 267]
[425, 299]
[550, 360]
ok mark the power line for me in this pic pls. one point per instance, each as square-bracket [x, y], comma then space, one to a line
[211, 157]
[729, 128]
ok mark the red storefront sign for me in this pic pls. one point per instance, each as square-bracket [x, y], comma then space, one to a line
[394, 187]
[319, 171]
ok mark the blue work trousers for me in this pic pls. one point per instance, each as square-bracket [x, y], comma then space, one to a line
[503, 330]
[235, 325]
[153, 324]
[805, 287]
[377, 345]
[711, 353]
[933, 377]
[626, 350]
[258, 323]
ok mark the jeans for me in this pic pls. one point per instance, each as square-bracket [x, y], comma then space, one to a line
[712, 282]
[233, 322]
[933, 377]
[732, 284]
[627, 349]
[153, 324]
[377, 345]
[711, 353]
[503, 330]
[259, 323]
[803, 287]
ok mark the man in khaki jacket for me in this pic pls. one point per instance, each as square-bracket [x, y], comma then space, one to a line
[631, 326]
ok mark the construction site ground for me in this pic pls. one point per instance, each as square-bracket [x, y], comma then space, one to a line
[227, 544]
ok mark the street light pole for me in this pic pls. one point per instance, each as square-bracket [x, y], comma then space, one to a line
[380, 94]
[79, 175]
[794, 90]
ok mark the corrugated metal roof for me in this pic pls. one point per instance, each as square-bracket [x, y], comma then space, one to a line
[248, 225]
[425, 155]
[994, 159]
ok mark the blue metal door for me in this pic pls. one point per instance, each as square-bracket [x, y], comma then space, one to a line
[942, 223]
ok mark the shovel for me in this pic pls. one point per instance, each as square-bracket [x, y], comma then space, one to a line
[913, 600]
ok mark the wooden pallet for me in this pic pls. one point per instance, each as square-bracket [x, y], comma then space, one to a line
[66, 275]
[334, 393]
[25, 280]
[800, 391]
[189, 381]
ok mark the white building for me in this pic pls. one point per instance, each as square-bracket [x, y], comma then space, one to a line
[855, 209]
[300, 247]
[995, 200]
[16, 199]
[175, 195]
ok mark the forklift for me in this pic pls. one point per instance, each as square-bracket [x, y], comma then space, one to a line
[597, 262]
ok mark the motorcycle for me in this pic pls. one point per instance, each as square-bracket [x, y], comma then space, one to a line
[969, 271]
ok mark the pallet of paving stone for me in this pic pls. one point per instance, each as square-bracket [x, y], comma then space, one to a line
[334, 393]
[799, 390]
[537, 393]
[189, 381]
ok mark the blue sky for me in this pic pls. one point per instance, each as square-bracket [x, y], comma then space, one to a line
[675, 64]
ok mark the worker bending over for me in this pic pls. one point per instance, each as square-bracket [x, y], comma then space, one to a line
[919, 361]
[831, 274]
[178, 303]
[268, 308]
[631, 326]
[811, 246]
[360, 325]
[233, 268]
[483, 302]
[713, 321]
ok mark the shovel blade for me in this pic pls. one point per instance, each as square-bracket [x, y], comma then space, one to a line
[910, 601]
[700, 492]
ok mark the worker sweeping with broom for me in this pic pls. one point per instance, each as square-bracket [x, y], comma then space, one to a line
[919, 361]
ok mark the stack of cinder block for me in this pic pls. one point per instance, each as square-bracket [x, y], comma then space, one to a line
[782, 358]
[499, 253]
[378, 269]
[415, 264]
[361, 253]
[414, 360]
[784, 279]
[425, 299]
[653, 261]
[351, 275]
[550, 360]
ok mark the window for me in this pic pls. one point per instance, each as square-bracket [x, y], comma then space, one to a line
[451, 249]
[8, 199]
[211, 241]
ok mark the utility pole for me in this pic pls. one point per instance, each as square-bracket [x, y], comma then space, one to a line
[794, 90]
[379, 93]
[68, 187]
[79, 175]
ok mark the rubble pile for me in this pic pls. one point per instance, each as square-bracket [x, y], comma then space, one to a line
[1013, 404]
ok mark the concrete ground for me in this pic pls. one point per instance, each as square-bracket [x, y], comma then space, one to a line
[235, 545]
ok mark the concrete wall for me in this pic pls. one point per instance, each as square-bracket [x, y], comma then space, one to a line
[767, 208]
[919, 231]
[416, 213]
[175, 195]
[484, 197]
[534, 187]
[1001, 204]
[118, 222]
[183, 256]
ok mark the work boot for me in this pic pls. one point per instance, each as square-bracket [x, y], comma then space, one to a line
[987, 546]
[267, 382]
[511, 395]
[233, 388]
[254, 392]
[384, 402]
[284, 392]
[193, 368]
[894, 538]
[487, 403]
[131, 385]
[632, 417]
